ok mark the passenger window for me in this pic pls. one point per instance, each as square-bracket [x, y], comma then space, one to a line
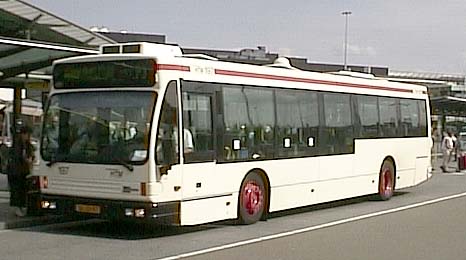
[249, 121]
[422, 118]
[197, 127]
[388, 117]
[297, 123]
[338, 130]
[409, 117]
[369, 116]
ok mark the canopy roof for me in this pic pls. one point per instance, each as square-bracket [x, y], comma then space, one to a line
[447, 105]
[31, 38]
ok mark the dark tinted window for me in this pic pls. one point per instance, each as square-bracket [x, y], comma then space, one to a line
[368, 115]
[297, 123]
[338, 129]
[249, 121]
[122, 73]
[388, 117]
[422, 118]
[409, 117]
[197, 127]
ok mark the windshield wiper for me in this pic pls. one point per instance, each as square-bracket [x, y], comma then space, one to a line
[53, 160]
[50, 163]
[125, 164]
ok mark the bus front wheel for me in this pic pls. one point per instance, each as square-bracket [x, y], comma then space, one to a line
[252, 199]
[386, 180]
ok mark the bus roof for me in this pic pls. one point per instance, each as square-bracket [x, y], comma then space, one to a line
[171, 58]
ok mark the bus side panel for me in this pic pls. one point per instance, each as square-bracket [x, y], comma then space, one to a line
[422, 173]
[369, 155]
[167, 186]
[337, 189]
[336, 167]
[423, 162]
[203, 210]
[293, 196]
[207, 193]
[291, 182]
[405, 151]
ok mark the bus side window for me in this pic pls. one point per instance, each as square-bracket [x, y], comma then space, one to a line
[167, 132]
[338, 134]
[388, 117]
[197, 127]
[249, 121]
[297, 123]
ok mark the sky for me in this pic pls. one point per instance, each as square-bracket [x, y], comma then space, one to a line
[406, 35]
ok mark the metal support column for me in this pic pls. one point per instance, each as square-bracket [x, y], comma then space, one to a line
[16, 112]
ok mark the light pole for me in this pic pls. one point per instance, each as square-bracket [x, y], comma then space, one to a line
[346, 14]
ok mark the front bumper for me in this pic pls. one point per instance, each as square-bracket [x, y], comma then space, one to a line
[163, 212]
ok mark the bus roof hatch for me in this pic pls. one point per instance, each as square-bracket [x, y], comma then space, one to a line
[145, 48]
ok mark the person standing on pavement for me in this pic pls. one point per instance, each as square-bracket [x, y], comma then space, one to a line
[447, 148]
[19, 168]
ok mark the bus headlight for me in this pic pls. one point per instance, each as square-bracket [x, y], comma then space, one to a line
[129, 212]
[45, 204]
[139, 213]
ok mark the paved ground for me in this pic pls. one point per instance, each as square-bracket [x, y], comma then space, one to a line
[9, 220]
[3, 182]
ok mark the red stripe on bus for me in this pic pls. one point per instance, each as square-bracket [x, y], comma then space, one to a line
[305, 80]
[172, 67]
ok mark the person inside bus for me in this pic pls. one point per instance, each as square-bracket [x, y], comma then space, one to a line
[188, 143]
[85, 142]
[51, 133]
[167, 140]
[19, 168]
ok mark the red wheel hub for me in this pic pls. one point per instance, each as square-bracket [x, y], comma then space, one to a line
[387, 182]
[253, 197]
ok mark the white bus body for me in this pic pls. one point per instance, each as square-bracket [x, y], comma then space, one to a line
[263, 153]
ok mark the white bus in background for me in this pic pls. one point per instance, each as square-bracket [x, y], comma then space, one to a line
[254, 140]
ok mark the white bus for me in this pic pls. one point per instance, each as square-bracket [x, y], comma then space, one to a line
[255, 139]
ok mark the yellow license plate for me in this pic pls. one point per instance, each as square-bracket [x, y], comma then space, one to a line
[92, 209]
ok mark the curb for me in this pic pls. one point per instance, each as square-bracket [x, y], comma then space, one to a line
[4, 194]
[10, 221]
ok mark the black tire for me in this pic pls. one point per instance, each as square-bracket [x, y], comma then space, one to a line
[252, 199]
[386, 181]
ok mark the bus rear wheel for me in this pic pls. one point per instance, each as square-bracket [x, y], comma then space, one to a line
[252, 199]
[386, 180]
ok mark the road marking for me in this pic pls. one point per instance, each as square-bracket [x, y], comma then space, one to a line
[455, 173]
[307, 229]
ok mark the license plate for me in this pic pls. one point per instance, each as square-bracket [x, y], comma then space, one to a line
[92, 209]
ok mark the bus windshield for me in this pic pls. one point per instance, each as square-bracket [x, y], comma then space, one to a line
[98, 127]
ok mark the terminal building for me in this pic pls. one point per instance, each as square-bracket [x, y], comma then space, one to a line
[32, 38]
